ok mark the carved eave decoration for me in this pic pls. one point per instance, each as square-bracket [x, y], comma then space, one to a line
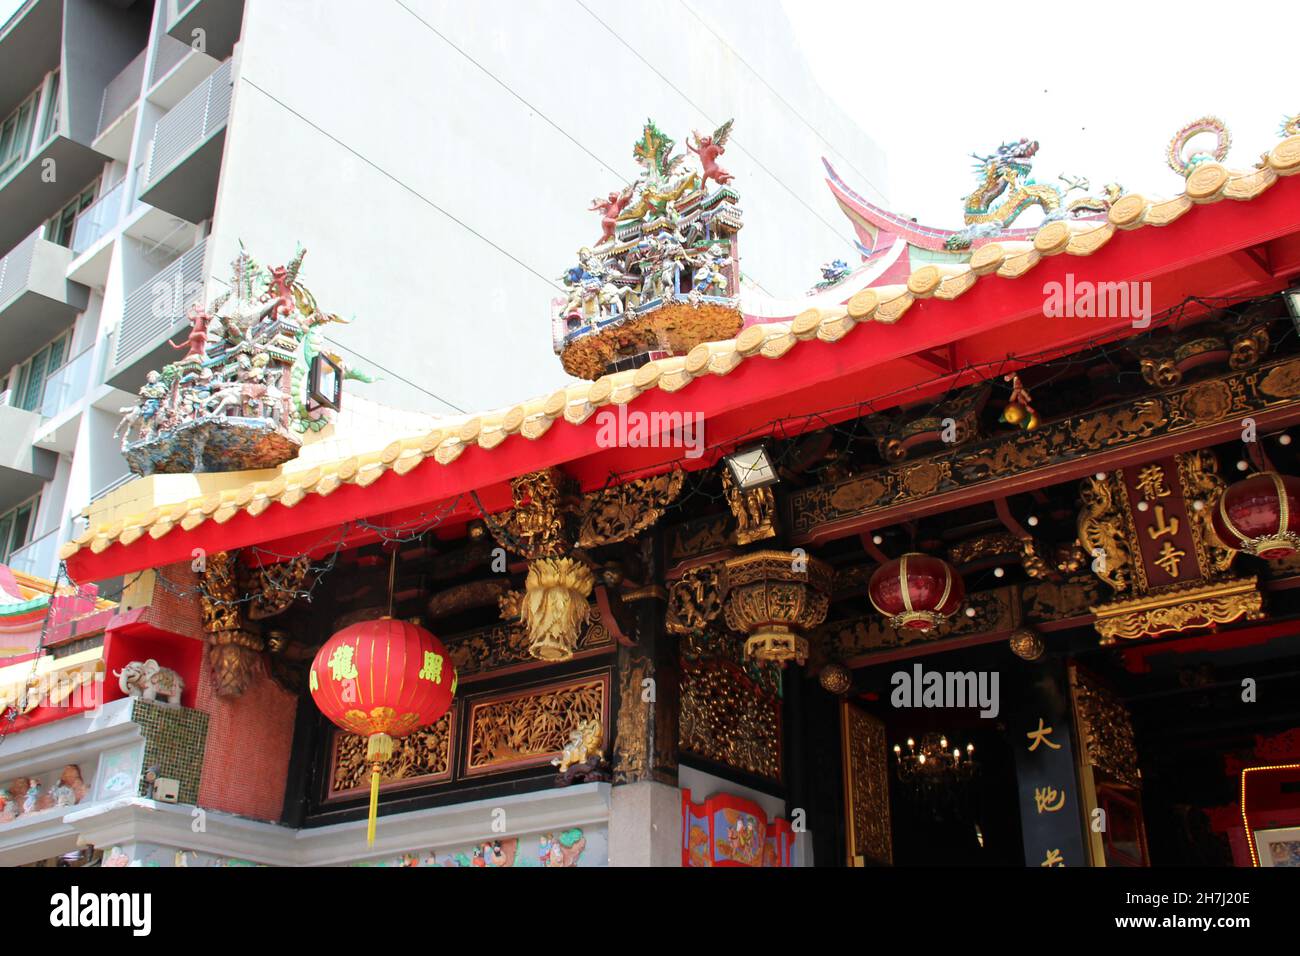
[754, 510]
[231, 598]
[1180, 609]
[872, 498]
[549, 525]
[1185, 588]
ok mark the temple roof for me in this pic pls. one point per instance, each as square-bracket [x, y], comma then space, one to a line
[149, 507]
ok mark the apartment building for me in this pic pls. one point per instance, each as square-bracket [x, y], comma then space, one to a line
[436, 160]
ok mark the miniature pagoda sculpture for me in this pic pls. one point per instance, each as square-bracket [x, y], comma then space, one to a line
[255, 376]
[664, 275]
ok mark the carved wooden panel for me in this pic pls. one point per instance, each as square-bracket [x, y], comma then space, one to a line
[420, 758]
[528, 728]
[866, 787]
[730, 713]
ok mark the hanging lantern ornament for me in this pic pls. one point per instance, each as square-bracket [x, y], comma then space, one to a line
[916, 591]
[1020, 409]
[1260, 515]
[382, 679]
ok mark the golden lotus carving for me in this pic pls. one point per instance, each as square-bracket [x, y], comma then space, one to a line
[775, 597]
[555, 606]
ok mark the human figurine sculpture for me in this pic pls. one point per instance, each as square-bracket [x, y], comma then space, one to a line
[708, 149]
[143, 415]
[197, 340]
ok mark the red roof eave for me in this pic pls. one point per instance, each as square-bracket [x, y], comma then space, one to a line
[994, 328]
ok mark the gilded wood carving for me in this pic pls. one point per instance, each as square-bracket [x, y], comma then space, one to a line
[1208, 402]
[866, 787]
[530, 728]
[422, 756]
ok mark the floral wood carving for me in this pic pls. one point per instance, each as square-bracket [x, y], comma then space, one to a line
[618, 512]
[1105, 729]
[425, 753]
[530, 728]
[694, 599]
[277, 586]
[726, 715]
[630, 752]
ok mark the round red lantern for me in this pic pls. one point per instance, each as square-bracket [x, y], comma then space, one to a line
[1260, 515]
[916, 591]
[382, 679]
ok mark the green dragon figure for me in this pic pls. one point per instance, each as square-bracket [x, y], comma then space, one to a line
[1006, 190]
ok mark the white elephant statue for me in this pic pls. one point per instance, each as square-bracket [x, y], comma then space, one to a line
[147, 680]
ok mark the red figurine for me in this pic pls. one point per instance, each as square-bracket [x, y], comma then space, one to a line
[198, 337]
[609, 211]
[709, 148]
[280, 290]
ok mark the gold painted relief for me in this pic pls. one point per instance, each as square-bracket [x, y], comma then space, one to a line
[424, 756]
[527, 729]
[866, 787]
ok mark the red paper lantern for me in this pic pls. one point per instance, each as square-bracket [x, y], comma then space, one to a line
[1260, 515]
[916, 591]
[382, 679]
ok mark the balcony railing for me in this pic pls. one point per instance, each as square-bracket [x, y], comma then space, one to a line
[98, 219]
[121, 92]
[16, 266]
[153, 309]
[201, 113]
[67, 384]
[39, 558]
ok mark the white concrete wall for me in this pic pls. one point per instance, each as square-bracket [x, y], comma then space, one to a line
[347, 130]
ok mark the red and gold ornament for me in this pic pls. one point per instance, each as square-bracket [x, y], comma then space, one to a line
[916, 591]
[1260, 515]
[382, 679]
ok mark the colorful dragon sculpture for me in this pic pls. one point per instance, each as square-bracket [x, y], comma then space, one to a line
[1006, 189]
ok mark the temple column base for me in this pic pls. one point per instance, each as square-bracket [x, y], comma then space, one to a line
[645, 825]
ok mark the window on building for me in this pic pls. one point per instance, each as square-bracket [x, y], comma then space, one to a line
[16, 135]
[59, 228]
[16, 527]
[50, 126]
[30, 388]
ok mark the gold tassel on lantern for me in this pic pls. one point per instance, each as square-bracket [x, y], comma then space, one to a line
[379, 747]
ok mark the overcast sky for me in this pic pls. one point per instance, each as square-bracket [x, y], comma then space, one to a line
[1101, 85]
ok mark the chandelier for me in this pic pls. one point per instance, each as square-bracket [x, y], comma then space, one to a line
[935, 771]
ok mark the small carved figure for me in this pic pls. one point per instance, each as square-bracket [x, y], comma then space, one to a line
[708, 149]
[33, 800]
[709, 278]
[10, 809]
[198, 337]
[147, 679]
[609, 210]
[583, 745]
[70, 789]
[144, 413]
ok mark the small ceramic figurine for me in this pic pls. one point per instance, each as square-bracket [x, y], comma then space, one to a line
[9, 808]
[32, 800]
[70, 790]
